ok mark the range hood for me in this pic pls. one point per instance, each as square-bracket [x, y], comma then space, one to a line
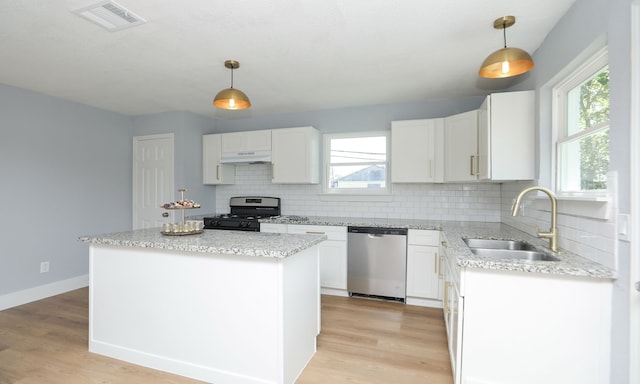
[245, 157]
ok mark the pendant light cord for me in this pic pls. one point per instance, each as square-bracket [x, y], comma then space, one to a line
[504, 33]
[232, 75]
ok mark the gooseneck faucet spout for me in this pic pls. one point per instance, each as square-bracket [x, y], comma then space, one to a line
[552, 235]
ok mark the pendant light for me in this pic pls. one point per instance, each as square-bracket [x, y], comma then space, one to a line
[506, 62]
[231, 98]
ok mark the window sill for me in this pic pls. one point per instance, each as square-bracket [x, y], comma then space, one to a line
[584, 198]
[593, 207]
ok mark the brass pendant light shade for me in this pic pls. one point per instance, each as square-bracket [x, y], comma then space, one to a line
[231, 98]
[506, 62]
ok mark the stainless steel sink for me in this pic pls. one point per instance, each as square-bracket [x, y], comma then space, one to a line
[507, 249]
[514, 254]
[499, 244]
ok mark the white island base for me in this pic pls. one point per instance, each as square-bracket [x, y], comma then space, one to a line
[224, 319]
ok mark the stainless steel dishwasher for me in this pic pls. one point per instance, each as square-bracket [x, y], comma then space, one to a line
[377, 262]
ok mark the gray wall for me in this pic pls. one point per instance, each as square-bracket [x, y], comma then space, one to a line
[367, 118]
[585, 23]
[66, 172]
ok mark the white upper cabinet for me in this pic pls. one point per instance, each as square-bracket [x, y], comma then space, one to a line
[496, 142]
[417, 153]
[296, 155]
[506, 136]
[461, 146]
[246, 141]
[213, 172]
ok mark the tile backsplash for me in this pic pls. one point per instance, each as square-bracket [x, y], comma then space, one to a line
[465, 202]
[485, 202]
[592, 238]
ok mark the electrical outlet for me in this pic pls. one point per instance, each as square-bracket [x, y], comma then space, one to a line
[624, 223]
[44, 267]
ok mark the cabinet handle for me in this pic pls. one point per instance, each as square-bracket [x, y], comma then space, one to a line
[273, 171]
[430, 169]
[315, 233]
[440, 262]
[472, 166]
[435, 264]
[217, 172]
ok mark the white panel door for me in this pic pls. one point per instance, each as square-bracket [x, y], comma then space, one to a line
[152, 180]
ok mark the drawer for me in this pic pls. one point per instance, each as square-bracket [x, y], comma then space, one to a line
[423, 237]
[273, 228]
[332, 232]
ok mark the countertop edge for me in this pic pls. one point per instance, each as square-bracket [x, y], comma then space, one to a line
[219, 242]
[570, 264]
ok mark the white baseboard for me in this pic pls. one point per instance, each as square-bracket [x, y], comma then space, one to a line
[334, 292]
[25, 296]
[422, 302]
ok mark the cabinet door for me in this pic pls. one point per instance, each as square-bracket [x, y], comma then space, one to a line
[333, 264]
[456, 314]
[273, 228]
[511, 135]
[417, 153]
[246, 141]
[296, 155]
[461, 146]
[333, 253]
[484, 142]
[212, 171]
[423, 271]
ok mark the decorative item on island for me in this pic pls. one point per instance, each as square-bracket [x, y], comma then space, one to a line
[181, 228]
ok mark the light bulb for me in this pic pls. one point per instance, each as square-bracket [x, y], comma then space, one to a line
[505, 67]
[232, 103]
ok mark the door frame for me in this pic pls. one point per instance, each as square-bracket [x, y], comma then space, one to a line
[136, 140]
[634, 259]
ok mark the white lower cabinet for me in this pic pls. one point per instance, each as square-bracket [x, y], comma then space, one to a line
[453, 307]
[333, 256]
[527, 328]
[424, 268]
[333, 253]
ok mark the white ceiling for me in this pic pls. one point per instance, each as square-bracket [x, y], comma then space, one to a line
[295, 55]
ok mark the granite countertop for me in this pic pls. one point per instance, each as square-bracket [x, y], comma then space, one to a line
[273, 245]
[570, 264]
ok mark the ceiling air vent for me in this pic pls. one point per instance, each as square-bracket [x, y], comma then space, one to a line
[110, 15]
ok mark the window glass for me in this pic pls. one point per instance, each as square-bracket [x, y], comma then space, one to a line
[583, 129]
[357, 163]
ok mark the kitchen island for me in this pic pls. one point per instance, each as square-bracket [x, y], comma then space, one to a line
[220, 306]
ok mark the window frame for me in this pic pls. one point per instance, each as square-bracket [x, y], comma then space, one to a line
[591, 66]
[327, 191]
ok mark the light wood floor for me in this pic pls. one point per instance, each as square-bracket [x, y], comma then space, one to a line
[362, 341]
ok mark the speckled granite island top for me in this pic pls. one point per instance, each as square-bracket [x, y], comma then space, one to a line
[213, 241]
[570, 264]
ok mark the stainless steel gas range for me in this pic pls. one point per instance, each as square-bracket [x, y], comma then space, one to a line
[245, 211]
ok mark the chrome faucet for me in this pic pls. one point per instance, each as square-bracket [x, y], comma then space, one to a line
[552, 235]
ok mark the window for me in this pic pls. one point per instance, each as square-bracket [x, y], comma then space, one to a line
[356, 163]
[582, 128]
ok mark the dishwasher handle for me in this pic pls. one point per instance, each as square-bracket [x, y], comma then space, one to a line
[378, 231]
